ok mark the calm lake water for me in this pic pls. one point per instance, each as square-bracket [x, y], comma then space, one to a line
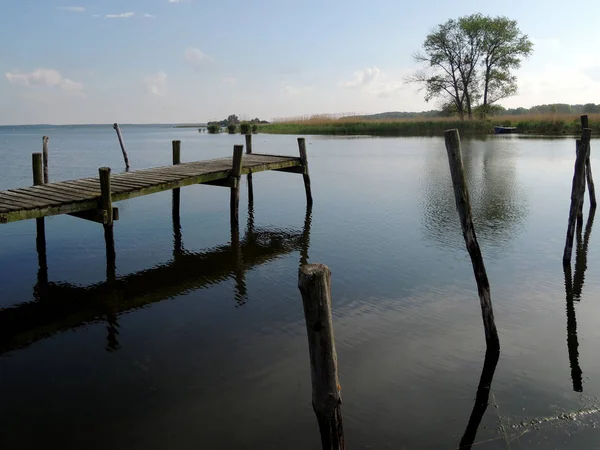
[201, 344]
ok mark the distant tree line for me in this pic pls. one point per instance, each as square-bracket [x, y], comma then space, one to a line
[232, 123]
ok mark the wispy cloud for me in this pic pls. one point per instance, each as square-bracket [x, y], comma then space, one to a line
[196, 56]
[156, 84]
[125, 15]
[149, 16]
[78, 9]
[44, 77]
[373, 81]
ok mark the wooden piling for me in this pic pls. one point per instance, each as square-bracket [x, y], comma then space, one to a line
[176, 205]
[306, 176]
[45, 140]
[463, 206]
[122, 144]
[314, 282]
[249, 177]
[581, 193]
[236, 173]
[588, 168]
[576, 192]
[105, 193]
[40, 224]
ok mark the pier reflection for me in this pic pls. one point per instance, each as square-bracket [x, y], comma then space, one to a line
[61, 306]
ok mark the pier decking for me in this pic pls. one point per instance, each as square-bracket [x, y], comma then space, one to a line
[74, 196]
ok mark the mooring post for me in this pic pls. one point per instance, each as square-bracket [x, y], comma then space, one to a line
[176, 205]
[306, 236]
[463, 206]
[249, 178]
[40, 223]
[588, 168]
[106, 205]
[236, 173]
[314, 282]
[581, 192]
[306, 176]
[576, 194]
[45, 140]
[122, 144]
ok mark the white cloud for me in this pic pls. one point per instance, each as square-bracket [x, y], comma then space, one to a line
[230, 80]
[374, 81]
[196, 56]
[78, 9]
[156, 84]
[44, 77]
[125, 15]
[149, 16]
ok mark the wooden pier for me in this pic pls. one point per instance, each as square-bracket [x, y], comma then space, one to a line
[85, 198]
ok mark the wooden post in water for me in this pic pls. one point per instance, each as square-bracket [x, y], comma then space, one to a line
[249, 178]
[122, 144]
[306, 176]
[40, 224]
[45, 140]
[588, 168]
[463, 206]
[236, 173]
[576, 192]
[581, 192]
[106, 204]
[314, 282]
[176, 204]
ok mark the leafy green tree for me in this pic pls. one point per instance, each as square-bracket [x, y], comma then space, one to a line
[469, 62]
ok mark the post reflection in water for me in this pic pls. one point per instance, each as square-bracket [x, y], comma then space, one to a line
[481, 399]
[573, 289]
[61, 306]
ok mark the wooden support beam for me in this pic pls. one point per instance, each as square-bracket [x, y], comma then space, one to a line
[45, 140]
[304, 161]
[96, 215]
[38, 171]
[588, 169]
[463, 205]
[105, 195]
[576, 192]
[236, 173]
[297, 169]
[225, 182]
[314, 282]
[176, 152]
[248, 144]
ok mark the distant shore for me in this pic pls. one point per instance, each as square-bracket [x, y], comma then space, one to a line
[540, 125]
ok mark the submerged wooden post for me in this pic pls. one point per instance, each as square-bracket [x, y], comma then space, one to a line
[463, 206]
[105, 194]
[588, 168]
[45, 140]
[120, 136]
[249, 178]
[306, 176]
[40, 224]
[176, 206]
[236, 173]
[314, 282]
[576, 194]
[581, 192]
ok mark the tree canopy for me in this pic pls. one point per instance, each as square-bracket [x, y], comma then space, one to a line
[469, 63]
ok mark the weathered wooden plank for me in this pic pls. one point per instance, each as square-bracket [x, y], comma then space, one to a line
[53, 188]
[34, 213]
[13, 201]
[7, 206]
[150, 176]
[269, 166]
[27, 199]
[129, 184]
[87, 191]
[47, 195]
[86, 183]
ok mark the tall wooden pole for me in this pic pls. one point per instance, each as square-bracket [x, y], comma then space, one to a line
[45, 140]
[40, 224]
[249, 178]
[176, 205]
[236, 173]
[306, 176]
[314, 282]
[588, 168]
[576, 192]
[463, 206]
[122, 144]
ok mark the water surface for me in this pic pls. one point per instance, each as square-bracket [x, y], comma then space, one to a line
[198, 340]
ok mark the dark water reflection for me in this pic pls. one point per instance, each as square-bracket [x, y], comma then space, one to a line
[191, 334]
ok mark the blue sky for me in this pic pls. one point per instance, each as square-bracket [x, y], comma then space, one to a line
[134, 61]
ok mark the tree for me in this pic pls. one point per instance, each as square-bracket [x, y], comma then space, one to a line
[469, 62]
[233, 120]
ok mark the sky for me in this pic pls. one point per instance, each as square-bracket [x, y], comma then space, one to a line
[174, 61]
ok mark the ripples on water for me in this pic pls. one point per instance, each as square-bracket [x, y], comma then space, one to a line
[196, 335]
